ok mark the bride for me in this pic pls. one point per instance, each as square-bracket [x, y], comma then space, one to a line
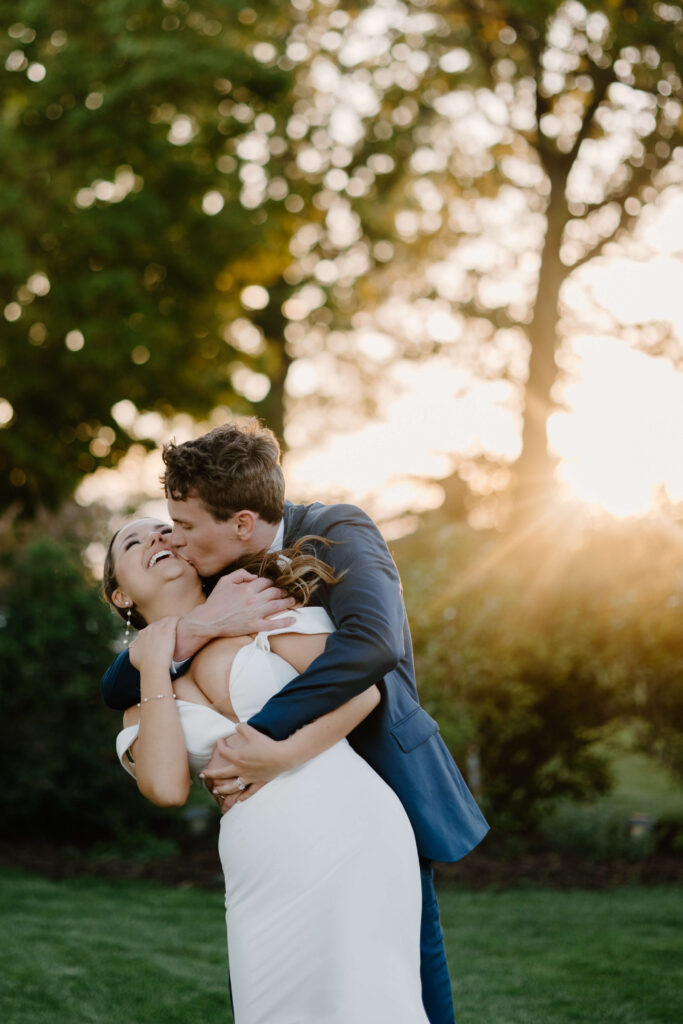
[323, 898]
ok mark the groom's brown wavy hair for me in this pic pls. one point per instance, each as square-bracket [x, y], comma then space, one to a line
[233, 467]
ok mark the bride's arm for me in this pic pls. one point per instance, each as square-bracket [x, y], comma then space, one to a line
[162, 770]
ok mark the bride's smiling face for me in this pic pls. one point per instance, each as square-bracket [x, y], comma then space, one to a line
[145, 563]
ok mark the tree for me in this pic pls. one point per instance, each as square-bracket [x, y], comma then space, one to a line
[493, 148]
[599, 71]
[585, 100]
[123, 212]
[292, 216]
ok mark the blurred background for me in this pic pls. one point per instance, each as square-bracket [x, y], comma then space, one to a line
[436, 246]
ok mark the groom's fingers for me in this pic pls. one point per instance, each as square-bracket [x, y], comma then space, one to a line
[273, 609]
[247, 579]
[238, 576]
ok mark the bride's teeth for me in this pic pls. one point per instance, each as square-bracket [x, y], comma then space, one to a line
[159, 555]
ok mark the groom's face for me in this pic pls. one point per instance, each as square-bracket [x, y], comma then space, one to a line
[206, 543]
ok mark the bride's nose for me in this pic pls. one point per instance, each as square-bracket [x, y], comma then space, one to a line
[155, 535]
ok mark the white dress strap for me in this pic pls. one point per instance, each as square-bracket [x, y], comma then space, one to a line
[311, 619]
[124, 741]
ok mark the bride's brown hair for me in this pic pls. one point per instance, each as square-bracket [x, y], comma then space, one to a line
[295, 570]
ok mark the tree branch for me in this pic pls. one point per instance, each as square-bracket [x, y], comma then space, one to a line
[625, 219]
[475, 14]
[602, 82]
[640, 178]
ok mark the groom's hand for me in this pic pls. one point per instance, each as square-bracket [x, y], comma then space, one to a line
[240, 604]
[242, 764]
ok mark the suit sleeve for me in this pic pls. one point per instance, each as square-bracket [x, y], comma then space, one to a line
[367, 609]
[120, 684]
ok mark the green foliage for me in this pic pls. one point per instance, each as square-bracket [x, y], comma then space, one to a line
[547, 83]
[590, 832]
[526, 652]
[56, 638]
[119, 121]
[116, 121]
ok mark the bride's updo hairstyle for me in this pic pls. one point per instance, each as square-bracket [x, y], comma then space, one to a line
[295, 570]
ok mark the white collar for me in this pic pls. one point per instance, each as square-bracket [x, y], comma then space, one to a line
[279, 538]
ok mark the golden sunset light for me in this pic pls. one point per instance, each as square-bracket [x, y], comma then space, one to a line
[621, 440]
[387, 298]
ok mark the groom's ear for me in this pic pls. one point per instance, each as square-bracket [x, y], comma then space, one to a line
[245, 521]
[120, 599]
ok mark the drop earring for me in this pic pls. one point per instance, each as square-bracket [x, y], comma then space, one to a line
[126, 638]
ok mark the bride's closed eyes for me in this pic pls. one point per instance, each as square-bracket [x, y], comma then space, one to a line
[129, 542]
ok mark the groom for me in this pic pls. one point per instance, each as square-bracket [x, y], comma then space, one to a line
[225, 494]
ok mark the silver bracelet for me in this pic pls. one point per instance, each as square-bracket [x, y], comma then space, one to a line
[158, 696]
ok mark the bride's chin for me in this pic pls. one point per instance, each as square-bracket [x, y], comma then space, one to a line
[172, 570]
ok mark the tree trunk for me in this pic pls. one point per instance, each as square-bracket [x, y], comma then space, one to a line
[273, 323]
[272, 408]
[533, 473]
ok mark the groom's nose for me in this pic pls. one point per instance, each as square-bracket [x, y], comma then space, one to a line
[176, 538]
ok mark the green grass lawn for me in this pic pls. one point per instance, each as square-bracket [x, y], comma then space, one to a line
[544, 957]
[93, 952]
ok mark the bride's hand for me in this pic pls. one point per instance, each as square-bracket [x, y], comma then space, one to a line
[154, 645]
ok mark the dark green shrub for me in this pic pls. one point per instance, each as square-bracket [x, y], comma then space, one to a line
[62, 780]
[526, 650]
[597, 834]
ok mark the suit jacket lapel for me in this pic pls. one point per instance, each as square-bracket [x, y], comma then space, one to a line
[293, 517]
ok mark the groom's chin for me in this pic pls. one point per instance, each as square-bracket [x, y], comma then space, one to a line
[207, 570]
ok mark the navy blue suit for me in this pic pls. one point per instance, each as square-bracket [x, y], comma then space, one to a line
[399, 739]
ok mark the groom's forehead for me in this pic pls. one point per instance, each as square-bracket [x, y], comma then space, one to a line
[187, 509]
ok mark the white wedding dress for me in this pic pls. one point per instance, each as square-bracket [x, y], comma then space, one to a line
[323, 896]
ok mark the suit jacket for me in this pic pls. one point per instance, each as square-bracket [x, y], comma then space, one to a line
[371, 644]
